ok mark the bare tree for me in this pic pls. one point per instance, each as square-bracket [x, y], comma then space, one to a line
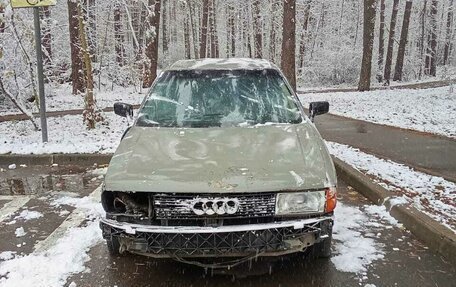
[186, 26]
[389, 53]
[403, 43]
[151, 52]
[16, 103]
[257, 28]
[431, 53]
[204, 29]
[289, 42]
[165, 25]
[90, 115]
[77, 75]
[2, 18]
[422, 38]
[381, 42]
[118, 35]
[214, 52]
[368, 45]
[304, 36]
[46, 38]
[449, 28]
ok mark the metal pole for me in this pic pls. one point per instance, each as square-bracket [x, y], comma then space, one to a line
[39, 64]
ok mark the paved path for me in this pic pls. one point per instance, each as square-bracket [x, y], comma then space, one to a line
[405, 260]
[423, 85]
[432, 154]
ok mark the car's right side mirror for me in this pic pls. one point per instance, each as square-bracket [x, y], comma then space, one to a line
[123, 110]
[318, 108]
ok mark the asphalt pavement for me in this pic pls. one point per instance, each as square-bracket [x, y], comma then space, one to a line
[406, 261]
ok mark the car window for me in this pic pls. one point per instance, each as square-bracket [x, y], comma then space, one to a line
[219, 98]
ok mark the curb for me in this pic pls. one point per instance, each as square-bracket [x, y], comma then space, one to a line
[438, 237]
[60, 159]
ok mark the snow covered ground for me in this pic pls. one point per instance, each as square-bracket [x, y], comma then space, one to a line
[427, 110]
[60, 98]
[430, 194]
[67, 134]
[57, 258]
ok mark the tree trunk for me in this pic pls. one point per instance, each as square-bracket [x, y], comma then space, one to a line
[422, 37]
[305, 26]
[381, 42]
[289, 42]
[257, 28]
[77, 75]
[45, 16]
[204, 28]
[2, 17]
[368, 45]
[232, 31]
[151, 53]
[194, 29]
[389, 53]
[89, 114]
[403, 43]
[118, 35]
[90, 16]
[449, 26]
[165, 25]
[431, 53]
[186, 34]
[213, 30]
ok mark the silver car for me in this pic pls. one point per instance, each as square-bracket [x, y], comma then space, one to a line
[221, 162]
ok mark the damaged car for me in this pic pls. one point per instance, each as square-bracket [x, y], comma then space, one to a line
[221, 162]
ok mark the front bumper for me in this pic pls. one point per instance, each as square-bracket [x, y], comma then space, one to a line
[271, 239]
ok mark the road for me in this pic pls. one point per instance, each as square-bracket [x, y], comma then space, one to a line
[403, 261]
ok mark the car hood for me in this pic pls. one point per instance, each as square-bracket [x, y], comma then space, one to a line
[221, 160]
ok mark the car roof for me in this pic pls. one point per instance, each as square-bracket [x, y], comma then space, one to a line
[222, 64]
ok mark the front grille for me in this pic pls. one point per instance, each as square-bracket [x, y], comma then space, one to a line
[177, 206]
[211, 244]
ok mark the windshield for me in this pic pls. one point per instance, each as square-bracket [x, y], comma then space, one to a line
[219, 98]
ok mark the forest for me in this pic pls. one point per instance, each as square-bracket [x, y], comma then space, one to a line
[97, 45]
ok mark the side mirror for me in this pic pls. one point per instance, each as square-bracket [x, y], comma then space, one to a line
[318, 108]
[123, 110]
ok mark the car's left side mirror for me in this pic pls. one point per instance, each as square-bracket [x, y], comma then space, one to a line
[123, 110]
[318, 108]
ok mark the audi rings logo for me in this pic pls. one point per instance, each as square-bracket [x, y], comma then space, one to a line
[220, 206]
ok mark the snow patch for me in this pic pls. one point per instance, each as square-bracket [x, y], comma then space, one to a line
[20, 232]
[29, 215]
[427, 110]
[432, 195]
[355, 252]
[53, 267]
[7, 255]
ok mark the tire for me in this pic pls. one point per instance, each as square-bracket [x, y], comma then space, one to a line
[323, 248]
[113, 246]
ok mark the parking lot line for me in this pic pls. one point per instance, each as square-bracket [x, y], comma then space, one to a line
[76, 218]
[14, 205]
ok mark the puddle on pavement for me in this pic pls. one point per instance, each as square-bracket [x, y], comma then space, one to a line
[36, 180]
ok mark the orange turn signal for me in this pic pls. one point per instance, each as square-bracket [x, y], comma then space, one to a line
[331, 199]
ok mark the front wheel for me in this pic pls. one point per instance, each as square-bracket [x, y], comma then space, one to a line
[113, 246]
[323, 248]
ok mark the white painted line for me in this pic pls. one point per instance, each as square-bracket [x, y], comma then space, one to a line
[8, 197]
[14, 205]
[75, 219]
